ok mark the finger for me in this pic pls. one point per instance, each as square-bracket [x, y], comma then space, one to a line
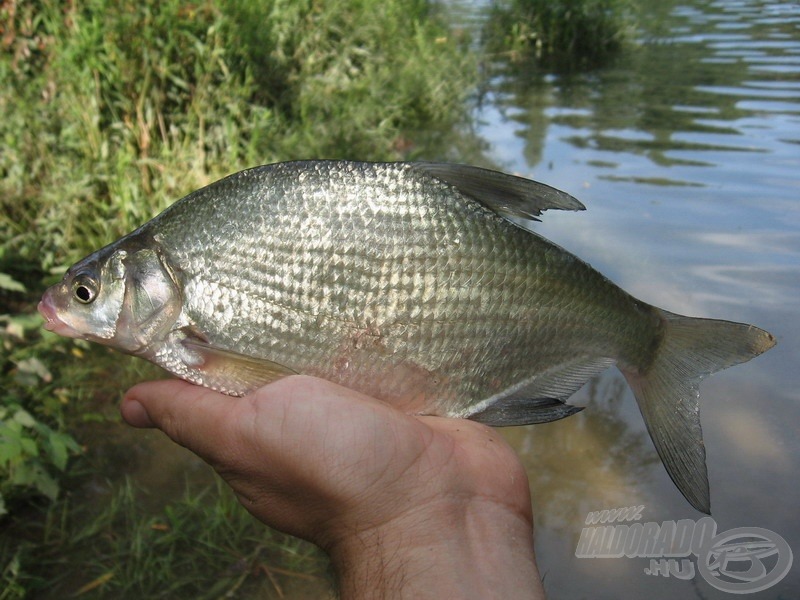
[190, 415]
[134, 413]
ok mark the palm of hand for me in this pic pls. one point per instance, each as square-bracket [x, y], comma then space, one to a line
[325, 463]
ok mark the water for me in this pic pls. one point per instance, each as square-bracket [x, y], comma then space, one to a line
[686, 152]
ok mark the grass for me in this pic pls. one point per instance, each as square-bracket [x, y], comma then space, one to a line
[200, 545]
[105, 127]
[111, 111]
[562, 34]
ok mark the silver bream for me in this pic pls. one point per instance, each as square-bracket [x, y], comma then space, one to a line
[415, 283]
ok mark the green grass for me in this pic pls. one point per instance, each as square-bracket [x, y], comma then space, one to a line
[200, 545]
[112, 111]
[561, 34]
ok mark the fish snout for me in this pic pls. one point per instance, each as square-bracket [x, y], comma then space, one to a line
[48, 311]
[53, 323]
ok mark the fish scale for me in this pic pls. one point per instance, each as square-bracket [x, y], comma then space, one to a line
[439, 232]
[420, 284]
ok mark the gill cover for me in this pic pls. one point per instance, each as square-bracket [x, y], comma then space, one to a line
[151, 302]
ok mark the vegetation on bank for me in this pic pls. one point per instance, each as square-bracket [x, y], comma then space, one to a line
[201, 544]
[112, 111]
[560, 34]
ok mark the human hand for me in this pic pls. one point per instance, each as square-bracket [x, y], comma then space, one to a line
[406, 506]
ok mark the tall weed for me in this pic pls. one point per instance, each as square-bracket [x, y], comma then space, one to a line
[561, 34]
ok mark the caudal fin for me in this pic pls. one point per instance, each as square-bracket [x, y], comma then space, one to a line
[668, 391]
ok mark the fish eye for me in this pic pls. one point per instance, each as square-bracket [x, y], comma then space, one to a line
[84, 289]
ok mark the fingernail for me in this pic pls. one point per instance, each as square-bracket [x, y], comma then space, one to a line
[135, 414]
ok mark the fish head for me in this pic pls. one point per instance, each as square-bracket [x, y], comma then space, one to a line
[124, 296]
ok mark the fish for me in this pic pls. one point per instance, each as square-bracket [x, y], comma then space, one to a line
[421, 284]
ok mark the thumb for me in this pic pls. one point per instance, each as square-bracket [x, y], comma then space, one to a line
[190, 415]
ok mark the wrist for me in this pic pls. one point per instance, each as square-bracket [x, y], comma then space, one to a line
[456, 548]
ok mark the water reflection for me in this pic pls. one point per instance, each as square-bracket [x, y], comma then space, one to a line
[682, 98]
[685, 151]
[595, 456]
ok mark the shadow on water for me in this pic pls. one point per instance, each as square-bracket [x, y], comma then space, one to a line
[595, 458]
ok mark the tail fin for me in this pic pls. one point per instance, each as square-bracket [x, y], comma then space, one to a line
[668, 391]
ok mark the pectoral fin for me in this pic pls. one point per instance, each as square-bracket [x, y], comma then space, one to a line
[240, 372]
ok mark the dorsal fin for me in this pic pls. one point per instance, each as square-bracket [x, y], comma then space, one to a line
[509, 196]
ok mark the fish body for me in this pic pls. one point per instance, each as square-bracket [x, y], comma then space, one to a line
[415, 283]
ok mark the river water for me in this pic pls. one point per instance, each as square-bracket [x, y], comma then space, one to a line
[686, 152]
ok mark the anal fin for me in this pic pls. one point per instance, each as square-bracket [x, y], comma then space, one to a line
[540, 398]
[511, 411]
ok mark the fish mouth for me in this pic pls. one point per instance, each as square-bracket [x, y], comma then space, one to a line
[52, 321]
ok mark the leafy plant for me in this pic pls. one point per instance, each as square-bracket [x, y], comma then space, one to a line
[29, 449]
[32, 453]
